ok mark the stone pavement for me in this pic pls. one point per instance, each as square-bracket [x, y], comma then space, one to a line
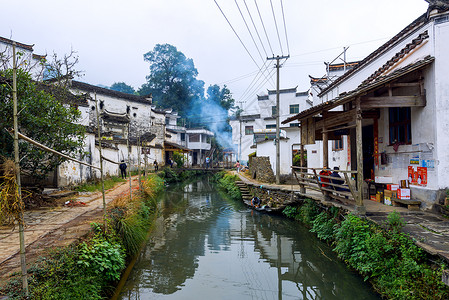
[430, 230]
[58, 226]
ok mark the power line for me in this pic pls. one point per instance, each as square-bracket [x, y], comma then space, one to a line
[263, 25]
[285, 27]
[236, 33]
[277, 30]
[255, 27]
[247, 27]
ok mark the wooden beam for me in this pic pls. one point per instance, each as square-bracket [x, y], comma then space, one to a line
[404, 84]
[336, 118]
[393, 101]
[359, 200]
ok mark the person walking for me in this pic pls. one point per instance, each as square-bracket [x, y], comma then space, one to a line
[237, 166]
[156, 166]
[207, 162]
[123, 167]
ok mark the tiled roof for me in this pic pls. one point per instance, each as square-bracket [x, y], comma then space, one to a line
[341, 66]
[39, 57]
[407, 49]
[23, 46]
[361, 89]
[282, 91]
[265, 97]
[115, 117]
[299, 94]
[92, 88]
[61, 94]
[390, 43]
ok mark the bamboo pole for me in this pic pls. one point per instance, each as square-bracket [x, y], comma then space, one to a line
[129, 166]
[101, 163]
[19, 186]
[37, 144]
[139, 149]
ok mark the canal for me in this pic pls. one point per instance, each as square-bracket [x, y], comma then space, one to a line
[207, 246]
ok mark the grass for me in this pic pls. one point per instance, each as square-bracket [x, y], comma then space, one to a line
[95, 186]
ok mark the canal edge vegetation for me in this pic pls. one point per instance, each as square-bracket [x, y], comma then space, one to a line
[383, 255]
[91, 268]
[226, 182]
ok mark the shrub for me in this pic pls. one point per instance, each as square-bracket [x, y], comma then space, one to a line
[227, 183]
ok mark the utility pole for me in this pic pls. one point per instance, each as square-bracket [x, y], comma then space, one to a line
[101, 164]
[240, 130]
[17, 165]
[278, 114]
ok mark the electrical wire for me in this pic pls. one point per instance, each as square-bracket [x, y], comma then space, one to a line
[276, 25]
[247, 27]
[264, 29]
[236, 33]
[285, 27]
[255, 28]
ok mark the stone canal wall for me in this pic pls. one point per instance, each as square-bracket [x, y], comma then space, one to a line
[273, 196]
[260, 169]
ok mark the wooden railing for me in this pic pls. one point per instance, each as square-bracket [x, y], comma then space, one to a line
[341, 188]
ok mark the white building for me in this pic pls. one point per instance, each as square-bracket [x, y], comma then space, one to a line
[199, 142]
[256, 132]
[25, 58]
[399, 95]
[121, 115]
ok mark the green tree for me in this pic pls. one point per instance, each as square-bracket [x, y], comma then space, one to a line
[221, 97]
[43, 118]
[172, 79]
[122, 87]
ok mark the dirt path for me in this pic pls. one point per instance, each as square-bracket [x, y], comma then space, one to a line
[59, 226]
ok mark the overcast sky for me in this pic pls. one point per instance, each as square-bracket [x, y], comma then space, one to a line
[111, 36]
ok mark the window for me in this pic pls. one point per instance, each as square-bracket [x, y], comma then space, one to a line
[294, 109]
[194, 138]
[294, 124]
[337, 145]
[249, 130]
[400, 125]
[270, 126]
[273, 111]
[183, 137]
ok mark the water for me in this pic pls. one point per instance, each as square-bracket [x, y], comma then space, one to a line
[205, 246]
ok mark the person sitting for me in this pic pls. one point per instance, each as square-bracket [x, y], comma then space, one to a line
[255, 201]
[336, 179]
[325, 172]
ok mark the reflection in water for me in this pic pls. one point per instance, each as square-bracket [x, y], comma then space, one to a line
[207, 246]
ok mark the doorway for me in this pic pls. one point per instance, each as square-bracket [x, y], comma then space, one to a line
[368, 151]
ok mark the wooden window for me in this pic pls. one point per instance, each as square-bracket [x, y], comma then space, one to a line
[273, 111]
[400, 125]
[337, 145]
[249, 130]
[294, 124]
[294, 108]
[270, 126]
[183, 137]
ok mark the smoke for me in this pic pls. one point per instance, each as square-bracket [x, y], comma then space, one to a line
[210, 114]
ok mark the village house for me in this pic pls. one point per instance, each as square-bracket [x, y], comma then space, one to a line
[199, 141]
[26, 59]
[392, 110]
[254, 130]
[175, 136]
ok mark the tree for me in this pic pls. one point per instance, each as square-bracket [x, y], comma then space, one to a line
[43, 118]
[122, 87]
[222, 97]
[172, 79]
[62, 70]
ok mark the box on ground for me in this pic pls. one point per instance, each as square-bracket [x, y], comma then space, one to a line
[392, 187]
[403, 193]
